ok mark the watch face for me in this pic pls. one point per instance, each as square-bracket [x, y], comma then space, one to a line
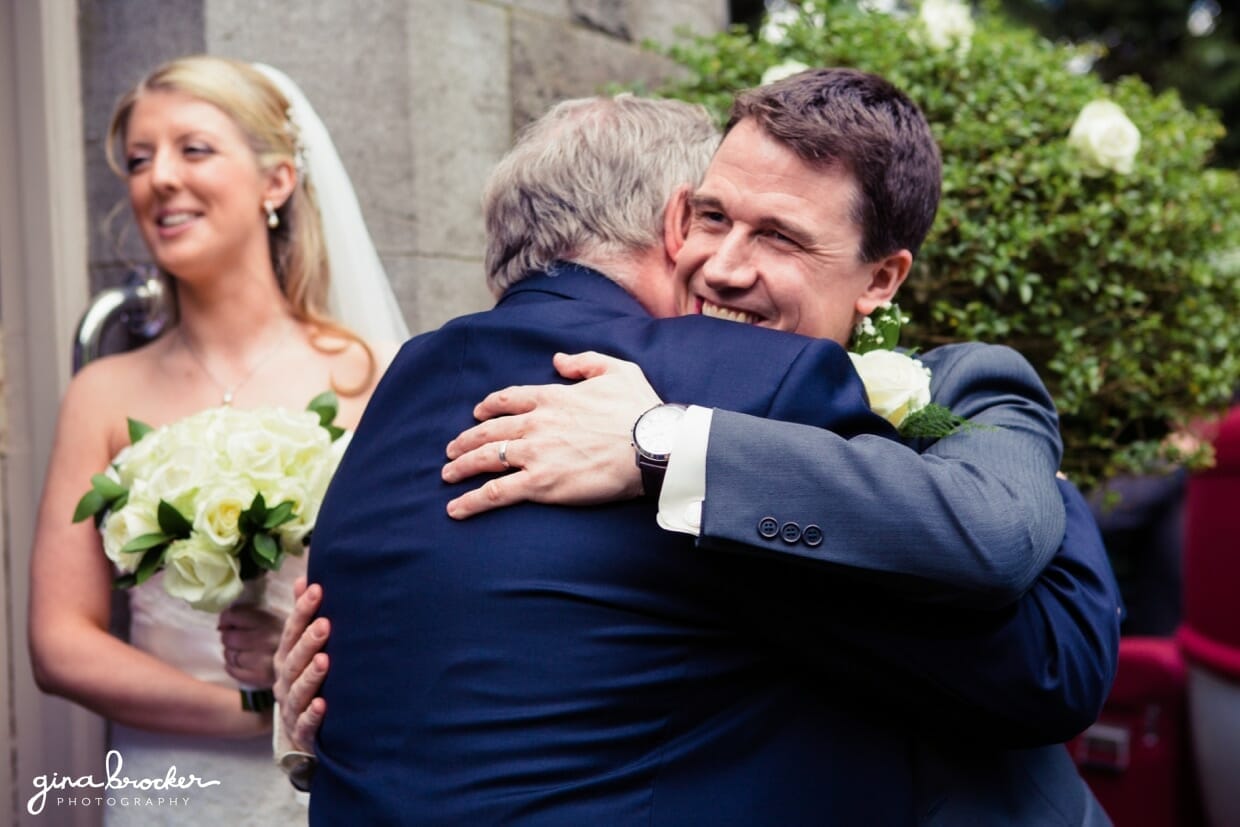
[655, 430]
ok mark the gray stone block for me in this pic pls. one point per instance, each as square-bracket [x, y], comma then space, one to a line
[553, 60]
[558, 9]
[606, 16]
[350, 59]
[461, 125]
[661, 22]
[434, 290]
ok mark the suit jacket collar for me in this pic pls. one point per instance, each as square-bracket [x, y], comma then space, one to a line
[574, 281]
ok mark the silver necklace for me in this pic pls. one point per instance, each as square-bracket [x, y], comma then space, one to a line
[230, 391]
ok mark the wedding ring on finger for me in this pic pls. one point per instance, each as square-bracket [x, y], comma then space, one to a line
[503, 454]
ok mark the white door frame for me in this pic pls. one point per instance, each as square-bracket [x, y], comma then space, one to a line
[44, 285]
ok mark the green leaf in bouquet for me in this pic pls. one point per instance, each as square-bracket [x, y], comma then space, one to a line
[247, 559]
[105, 493]
[279, 515]
[152, 562]
[251, 520]
[137, 429]
[172, 522]
[335, 430]
[266, 551]
[145, 541]
[92, 503]
[326, 405]
[107, 487]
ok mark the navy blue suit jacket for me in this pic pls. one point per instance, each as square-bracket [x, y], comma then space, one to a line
[574, 666]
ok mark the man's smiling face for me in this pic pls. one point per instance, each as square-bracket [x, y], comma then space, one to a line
[772, 241]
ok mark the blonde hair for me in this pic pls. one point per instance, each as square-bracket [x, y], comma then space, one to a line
[260, 111]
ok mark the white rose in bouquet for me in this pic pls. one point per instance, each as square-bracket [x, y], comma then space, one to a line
[201, 573]
[123, 526]
[897, 385]
[1105, 139]
[219, 507]
[284, 443]
[138, 461]
[183, 469]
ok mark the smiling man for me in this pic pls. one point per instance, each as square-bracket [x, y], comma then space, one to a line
[776, 243]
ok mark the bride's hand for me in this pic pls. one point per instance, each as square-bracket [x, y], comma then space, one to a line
[250, 637]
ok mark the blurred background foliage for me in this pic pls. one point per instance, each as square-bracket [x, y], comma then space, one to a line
[1123, 290]
[1192, 46]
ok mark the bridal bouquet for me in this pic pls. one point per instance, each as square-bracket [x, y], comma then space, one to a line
[215, 499]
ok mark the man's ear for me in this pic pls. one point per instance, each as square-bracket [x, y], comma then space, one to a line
[676, 221]
[281, 180]
[886, 276]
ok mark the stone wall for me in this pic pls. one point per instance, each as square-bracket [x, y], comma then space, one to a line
[422, 97]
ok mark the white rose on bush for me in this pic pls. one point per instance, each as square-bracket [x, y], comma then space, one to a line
[204, 575]
[947, 24]
[1105, 139]
[897, 385]
[782, 70]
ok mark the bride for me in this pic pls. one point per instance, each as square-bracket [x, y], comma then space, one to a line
[226, 167]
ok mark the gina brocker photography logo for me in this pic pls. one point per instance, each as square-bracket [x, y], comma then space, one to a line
[115, 790]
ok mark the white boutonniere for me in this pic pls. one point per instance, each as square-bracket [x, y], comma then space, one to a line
[897, 383]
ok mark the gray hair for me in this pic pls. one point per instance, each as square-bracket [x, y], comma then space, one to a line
[592, 178]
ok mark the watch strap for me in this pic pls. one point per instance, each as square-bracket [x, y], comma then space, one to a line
[652, 477]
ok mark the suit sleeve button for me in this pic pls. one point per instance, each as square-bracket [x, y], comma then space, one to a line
[812, 536]
[791, 532]
[768, 528]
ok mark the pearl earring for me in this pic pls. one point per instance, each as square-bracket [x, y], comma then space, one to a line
[273, 220]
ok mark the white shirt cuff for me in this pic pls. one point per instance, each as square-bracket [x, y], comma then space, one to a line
[684, 486]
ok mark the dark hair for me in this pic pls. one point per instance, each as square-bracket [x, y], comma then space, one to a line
[863, 124]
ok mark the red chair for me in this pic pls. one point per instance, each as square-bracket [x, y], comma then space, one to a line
[1210, 634]
[1137, 758]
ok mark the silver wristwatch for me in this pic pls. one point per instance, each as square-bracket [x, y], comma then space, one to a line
[653, 433]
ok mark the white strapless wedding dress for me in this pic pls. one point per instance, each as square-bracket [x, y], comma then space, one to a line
[252, 789]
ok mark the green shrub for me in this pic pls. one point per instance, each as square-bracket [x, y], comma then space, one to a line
[1122, 289]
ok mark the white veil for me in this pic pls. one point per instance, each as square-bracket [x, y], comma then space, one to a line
[360, 295]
